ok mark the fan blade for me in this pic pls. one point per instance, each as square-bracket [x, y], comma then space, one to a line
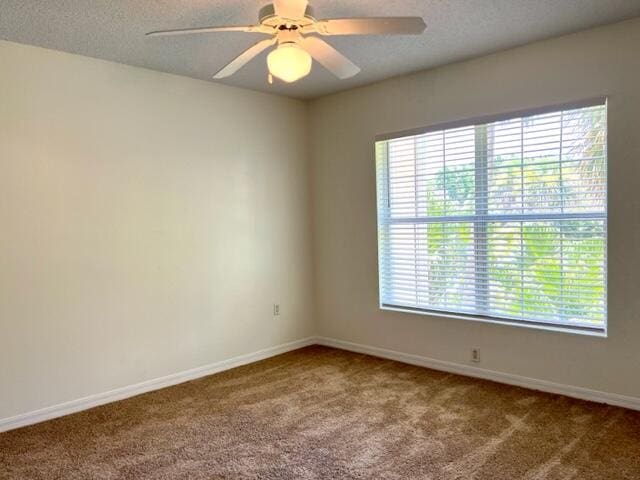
[329, 57]
[290, 9]
[189, 31]
[244, 58]
[372, 26]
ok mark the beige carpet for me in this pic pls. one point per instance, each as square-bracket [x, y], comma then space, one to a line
[320, 413]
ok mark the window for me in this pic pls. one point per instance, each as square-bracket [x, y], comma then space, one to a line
[503, 219]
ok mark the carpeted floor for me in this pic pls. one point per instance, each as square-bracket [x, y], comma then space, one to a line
[320, 413]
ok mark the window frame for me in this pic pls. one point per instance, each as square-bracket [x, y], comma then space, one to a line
[599, 331]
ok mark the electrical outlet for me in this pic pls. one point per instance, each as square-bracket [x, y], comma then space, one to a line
[475, 355]
[276, 309]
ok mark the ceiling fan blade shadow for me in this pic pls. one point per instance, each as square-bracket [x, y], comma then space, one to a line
[330, 58]
[372, 26]
[244, 58]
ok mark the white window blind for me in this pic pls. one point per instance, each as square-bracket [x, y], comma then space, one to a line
[498, 220]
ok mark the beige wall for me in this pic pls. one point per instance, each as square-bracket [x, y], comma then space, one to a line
[147, 224]
[604, 61]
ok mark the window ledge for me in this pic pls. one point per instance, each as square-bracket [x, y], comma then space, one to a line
[591, 332]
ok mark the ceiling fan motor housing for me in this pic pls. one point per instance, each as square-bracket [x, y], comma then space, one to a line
[268, 17]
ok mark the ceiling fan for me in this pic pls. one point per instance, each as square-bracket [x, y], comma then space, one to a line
[291, 25]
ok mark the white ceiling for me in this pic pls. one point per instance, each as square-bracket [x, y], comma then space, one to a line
[457, 29]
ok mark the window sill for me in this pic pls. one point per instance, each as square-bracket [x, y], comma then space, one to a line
[591, 332]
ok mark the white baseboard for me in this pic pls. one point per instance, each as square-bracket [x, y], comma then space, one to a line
[469, 371]
[91, 401]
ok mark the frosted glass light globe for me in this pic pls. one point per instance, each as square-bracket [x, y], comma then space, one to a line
[289, 62]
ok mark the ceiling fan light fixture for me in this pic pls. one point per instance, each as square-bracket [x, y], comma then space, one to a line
[293, 26]
[289, 62]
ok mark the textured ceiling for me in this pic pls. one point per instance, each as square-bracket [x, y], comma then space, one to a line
[457, 29]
